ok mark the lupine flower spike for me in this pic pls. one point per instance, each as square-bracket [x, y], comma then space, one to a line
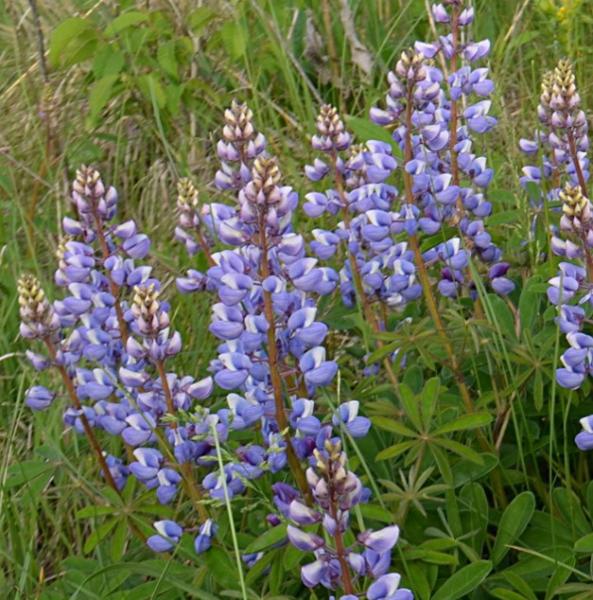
[336, 491]
[110, 337]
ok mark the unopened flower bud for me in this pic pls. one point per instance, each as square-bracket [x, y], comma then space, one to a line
[332, 134]
[576, 208]
[187, 194]
[238, 125]
[37, 315]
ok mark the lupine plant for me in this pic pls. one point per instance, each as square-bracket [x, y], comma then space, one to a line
[562, 173]
[271, 470]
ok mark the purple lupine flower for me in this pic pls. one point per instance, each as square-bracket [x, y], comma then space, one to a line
[168, 481]
[570, 318]
[446, 180]
[240, 145]
[213, 483]
[584, 439]
[110, 332]
[387, 588]
[147, 465]
[561, 143]
[191, 230]
[362, 201]
[266, 262]
[306, 542]
[577, 361]
[245, 411]
[501, 284]
[204, 538]
[564, 286]
[316, 369]
[169, 534]
[140, 429]
[118, 470]
[347, 414]
[336, 490]
[39, 397]
[380, 541]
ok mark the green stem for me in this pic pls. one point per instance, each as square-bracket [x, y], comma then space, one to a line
[229, 509]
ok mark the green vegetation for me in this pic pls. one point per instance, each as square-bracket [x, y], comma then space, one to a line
[138, 89]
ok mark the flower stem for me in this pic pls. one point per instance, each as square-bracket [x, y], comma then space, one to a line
[424, 278]
[205, 248]
[274, 363]
[113, 287]
[338, 538]
[190, 485]
[230, 513]
[423, 272]
[88, 430]
[356, 276]
[454, 110]
[577, 164]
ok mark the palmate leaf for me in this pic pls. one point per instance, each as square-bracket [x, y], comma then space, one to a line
[464, 581]
[268, 538]
[463, 451]
[570, 509]
[584, 544]
[513, 523]
[98, 534]
[474, 513]
[506, 594]
[433, 557]
[429, 400]
[442, 461]
[520, 585]
[471, 421]
[395, 450]
[89, 512]
[393, 426]
[411, 404]
[376, 513]
[118, 540]
[172, 573]
[466, 471]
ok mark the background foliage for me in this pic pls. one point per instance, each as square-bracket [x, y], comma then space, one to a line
[138, 88]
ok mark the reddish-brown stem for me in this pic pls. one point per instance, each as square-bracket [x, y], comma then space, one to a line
[454, 109]
[453, 155]
[339, 540]
[88, 430]
[588, 257]
[274, 363]
[367, 309]
[432, 305]
[205, 249]
[113, 288]
[190, 485]
[555, 171]
[577, 165]
[422, 270]
[160, 368]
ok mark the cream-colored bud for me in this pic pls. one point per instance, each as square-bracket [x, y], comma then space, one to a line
[187, 194]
